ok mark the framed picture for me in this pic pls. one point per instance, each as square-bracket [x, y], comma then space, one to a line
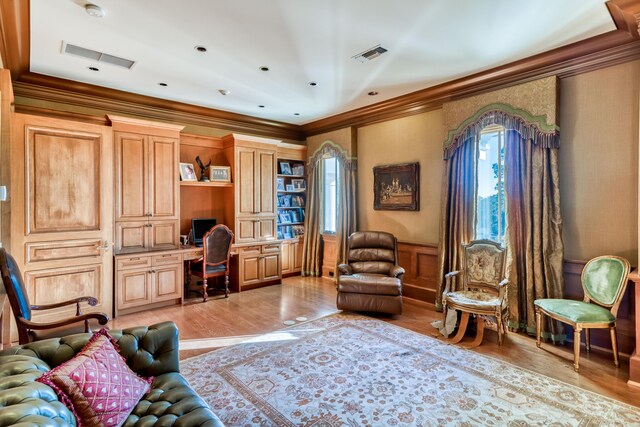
[220, 173]
[280, 184]
[290, 187]
[187, 172]
[396, 187]
[298, 184]
[285, 168]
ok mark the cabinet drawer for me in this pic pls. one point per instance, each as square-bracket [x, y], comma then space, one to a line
[190, 256]
[133, 262]
[271, 248]
[167, 259]
[250, 250]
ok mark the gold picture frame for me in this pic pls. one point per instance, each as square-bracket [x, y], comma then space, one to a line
[187, 172]
[220, 173]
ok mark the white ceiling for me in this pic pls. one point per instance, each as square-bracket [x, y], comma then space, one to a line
[429, 42]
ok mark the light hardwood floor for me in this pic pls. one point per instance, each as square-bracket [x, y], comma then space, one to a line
[220, 321]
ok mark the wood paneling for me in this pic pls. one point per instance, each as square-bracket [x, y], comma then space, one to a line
[131, 172]
[163, 178]
[420, 262]
[63, 173]
[62, 211]
[329, 250]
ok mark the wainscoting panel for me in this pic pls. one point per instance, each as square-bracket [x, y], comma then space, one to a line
[421, 264]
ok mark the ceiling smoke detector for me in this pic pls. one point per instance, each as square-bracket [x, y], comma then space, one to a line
[94, 10]
[370, 54]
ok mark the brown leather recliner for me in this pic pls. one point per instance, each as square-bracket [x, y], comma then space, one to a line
[371, 280]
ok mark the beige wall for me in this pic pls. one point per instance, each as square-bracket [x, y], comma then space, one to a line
[411, 139]
[599, 162]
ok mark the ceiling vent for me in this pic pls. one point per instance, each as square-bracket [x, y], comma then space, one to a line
[370, 54]
[72, 49]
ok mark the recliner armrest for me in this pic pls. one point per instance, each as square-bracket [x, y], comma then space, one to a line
[396, 271]
[345, 269]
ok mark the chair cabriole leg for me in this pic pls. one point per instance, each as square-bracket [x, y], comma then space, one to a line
[204, 290]
[226, 286]
[576, 348]
[538, 327]
[614, 346]
[587, 339]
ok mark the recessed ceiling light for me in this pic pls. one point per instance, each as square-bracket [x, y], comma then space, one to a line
[163, 84]
[260, 106]
[94, 68]
[372, 93]
[224, 92]
[94, 10]
[313, 84]
[296, 114]
[200, 49]
[264, 68]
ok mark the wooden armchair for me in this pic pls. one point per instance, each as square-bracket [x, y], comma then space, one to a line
[483, 289]
[33, 331]
[604, 280]
[215, 261]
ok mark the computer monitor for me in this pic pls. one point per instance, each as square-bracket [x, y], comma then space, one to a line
[199, 227]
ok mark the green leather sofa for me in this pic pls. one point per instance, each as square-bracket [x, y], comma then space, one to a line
[149, 350]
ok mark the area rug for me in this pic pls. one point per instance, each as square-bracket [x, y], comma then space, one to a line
[347, 370]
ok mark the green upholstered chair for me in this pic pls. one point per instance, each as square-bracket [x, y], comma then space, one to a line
[604, 280]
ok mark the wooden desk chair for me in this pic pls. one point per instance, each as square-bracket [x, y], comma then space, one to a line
[215, 261]
[484, 289]
[604, 280]
[31, 331]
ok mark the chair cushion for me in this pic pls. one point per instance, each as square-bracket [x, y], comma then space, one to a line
[576, 311]
[473, 299]
[96, 384]
[62, 331]
[211, 269]
[171, 402]
[368, 283]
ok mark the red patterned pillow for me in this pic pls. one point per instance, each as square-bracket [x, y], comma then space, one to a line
[96, 384]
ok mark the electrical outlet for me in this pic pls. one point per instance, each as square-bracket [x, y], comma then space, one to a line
[3, 193]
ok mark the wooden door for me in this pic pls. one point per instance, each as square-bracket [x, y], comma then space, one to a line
[247, 189]
[266, 173]
[167, 282]
[163, 235]
[62, 219]
[249, 271]
[164, 185]
[132, 177]
[133, 287]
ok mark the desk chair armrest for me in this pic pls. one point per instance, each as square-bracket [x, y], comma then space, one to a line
[345, 269]
[101, 317]
[448, 279]
[90, 300]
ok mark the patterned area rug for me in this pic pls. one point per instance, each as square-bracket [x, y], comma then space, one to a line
[347, 370]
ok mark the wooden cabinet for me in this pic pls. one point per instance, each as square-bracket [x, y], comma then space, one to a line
[259, 263]
[142, 280]
[291, 256]
[147, 185]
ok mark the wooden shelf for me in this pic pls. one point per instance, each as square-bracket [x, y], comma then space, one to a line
[290, 223]
[284, 175]
[293, 192]
[205, 184]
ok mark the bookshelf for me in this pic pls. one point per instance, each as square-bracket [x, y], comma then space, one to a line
[291, 201]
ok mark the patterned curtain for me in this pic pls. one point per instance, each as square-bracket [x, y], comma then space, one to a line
[534, 224]
[533, 235]
[312, 243]
[347, 214]
[457, 210]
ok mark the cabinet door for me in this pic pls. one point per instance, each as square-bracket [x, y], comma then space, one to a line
[163, 235]
[131, 236]
[131, 177]
[286, 258]
[271, 266]
[133, 288]
[296, 255]
[266, 172]
[249, 265]
[167, 282]
[163, 177]
[246, 230]
[247, 189]
[266, 228]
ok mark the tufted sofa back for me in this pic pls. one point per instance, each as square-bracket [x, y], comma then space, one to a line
[371, 252]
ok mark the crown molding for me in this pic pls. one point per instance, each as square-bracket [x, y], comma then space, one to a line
[597, 52]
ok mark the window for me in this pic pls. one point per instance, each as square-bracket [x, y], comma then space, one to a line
[490, 203]
[330, 173]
